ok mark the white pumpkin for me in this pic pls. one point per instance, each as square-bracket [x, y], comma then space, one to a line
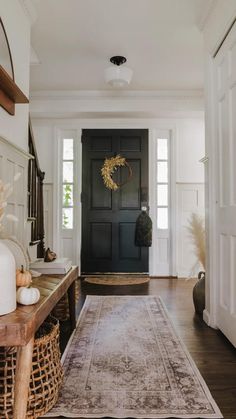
[27, 295]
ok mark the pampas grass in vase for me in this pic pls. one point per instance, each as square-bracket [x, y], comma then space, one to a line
[196, 229]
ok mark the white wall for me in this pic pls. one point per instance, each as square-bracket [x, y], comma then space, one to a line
[189, 148]
[189, 145]
[17, 26]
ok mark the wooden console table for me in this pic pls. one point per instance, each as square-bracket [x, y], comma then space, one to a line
[18, 328]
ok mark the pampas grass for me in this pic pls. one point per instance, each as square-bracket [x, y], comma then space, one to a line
[196, 229]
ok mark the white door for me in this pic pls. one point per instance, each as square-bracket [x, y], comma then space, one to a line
[225, 95]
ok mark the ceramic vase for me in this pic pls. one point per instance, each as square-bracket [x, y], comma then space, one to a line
[7, 280]
[199, 294]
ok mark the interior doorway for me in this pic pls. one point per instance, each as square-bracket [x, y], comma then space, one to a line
[171, 183]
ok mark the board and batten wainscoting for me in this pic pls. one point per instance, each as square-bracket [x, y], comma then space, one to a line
[14, 160]
[189, 200]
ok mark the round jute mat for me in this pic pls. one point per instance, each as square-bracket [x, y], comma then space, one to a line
[117, 280]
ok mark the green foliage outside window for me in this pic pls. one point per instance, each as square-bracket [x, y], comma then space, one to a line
[67, 198]
[65, 221]
[67, 183]
[67, 203]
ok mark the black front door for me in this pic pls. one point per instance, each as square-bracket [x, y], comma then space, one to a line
[108, 217]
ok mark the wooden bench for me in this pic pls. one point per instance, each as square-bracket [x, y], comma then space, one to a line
[18, 328]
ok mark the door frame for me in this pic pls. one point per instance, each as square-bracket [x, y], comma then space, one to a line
[120, 211]
[153, 126]
[211, 198]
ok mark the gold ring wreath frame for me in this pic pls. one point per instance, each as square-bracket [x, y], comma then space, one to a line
[109, 167]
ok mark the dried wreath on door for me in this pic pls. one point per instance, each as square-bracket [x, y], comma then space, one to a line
[109, 167]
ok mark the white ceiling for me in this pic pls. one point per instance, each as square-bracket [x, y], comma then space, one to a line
[74, 40]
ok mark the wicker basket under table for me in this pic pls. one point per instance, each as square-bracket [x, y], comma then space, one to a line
[46, 374]
[61, 309]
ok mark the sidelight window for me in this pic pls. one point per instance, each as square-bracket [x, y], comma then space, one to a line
[162, 184]
[67, 183]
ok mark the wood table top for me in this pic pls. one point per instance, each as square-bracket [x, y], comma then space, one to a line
[18, 327]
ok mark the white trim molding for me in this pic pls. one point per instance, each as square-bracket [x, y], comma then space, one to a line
[208, 319]
[19, 150]
[83, 94]
[110, 104]
[156, 266]
[73, 235]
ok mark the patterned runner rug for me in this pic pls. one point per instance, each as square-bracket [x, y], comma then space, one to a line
[126, 360]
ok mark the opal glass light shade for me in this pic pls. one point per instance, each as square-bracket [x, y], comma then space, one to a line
[118, 76]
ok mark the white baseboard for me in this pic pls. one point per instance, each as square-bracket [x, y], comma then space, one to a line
[208, 320]
[185, 274]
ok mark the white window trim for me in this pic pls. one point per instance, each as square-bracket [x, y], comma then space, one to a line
[58, 232]
[154, 134]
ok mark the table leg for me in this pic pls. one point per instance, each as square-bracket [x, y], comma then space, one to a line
[71, 300]
[22, 378]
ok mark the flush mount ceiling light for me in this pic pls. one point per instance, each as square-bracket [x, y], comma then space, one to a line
[118, 75]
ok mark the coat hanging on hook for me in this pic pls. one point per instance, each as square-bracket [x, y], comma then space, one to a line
[143, 230]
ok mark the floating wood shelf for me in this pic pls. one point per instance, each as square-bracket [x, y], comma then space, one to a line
[10, 93]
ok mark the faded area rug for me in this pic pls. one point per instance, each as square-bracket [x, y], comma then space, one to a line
[126, 360]
[117, 280]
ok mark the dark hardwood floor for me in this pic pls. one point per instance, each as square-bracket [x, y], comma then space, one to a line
[211, 351]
